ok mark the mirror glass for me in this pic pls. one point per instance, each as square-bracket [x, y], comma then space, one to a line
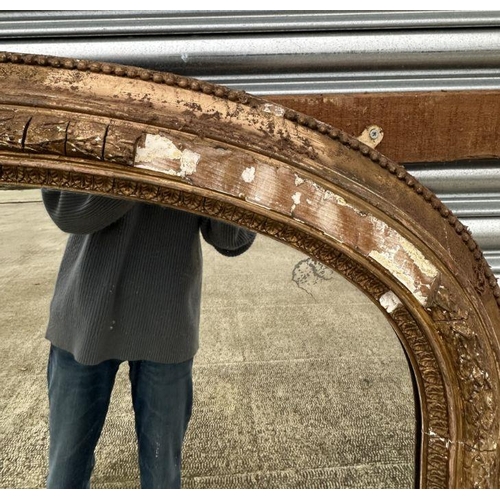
[300, 382]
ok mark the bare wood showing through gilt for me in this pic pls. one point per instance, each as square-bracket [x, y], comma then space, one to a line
[166, 139]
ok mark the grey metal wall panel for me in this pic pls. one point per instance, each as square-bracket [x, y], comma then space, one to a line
[274, 52]
[473, 205]
[466, 177]
[279, 52]
[486, 231]
[21, 24]
[493, 258]
[472, 190]
[362, 81]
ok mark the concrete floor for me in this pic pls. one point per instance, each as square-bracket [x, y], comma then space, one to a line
[299, 382]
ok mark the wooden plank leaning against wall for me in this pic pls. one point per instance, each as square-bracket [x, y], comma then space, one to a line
[418, 126]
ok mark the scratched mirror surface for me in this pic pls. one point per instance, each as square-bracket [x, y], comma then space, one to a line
[310, 389]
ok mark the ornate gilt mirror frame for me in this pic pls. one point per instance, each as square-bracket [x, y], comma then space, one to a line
[165, 139]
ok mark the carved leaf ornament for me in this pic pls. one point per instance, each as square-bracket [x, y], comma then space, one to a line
[160, 138]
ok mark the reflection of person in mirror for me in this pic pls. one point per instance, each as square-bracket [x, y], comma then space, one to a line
[128, 288]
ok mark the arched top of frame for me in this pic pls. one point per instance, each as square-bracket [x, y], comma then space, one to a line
[243, 99]
[161, 138]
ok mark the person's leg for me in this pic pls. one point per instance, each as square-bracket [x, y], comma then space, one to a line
[162, 395]
[78, 402]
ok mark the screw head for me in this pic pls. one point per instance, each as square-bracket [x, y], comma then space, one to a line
[374, 133]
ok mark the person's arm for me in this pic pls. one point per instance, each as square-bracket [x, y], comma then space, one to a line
[228, 239]
[80, 213]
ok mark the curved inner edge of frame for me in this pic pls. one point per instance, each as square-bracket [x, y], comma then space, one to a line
[353, 271]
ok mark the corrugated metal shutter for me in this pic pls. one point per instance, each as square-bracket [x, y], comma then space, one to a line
[472, 191]
[279, 52]
[286, 52]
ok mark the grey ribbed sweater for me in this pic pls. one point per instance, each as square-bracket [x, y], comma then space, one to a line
[129, 285]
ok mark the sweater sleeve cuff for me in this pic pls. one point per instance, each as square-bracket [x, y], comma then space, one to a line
[228, 239]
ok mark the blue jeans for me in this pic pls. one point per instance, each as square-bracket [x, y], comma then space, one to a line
[79, 395]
